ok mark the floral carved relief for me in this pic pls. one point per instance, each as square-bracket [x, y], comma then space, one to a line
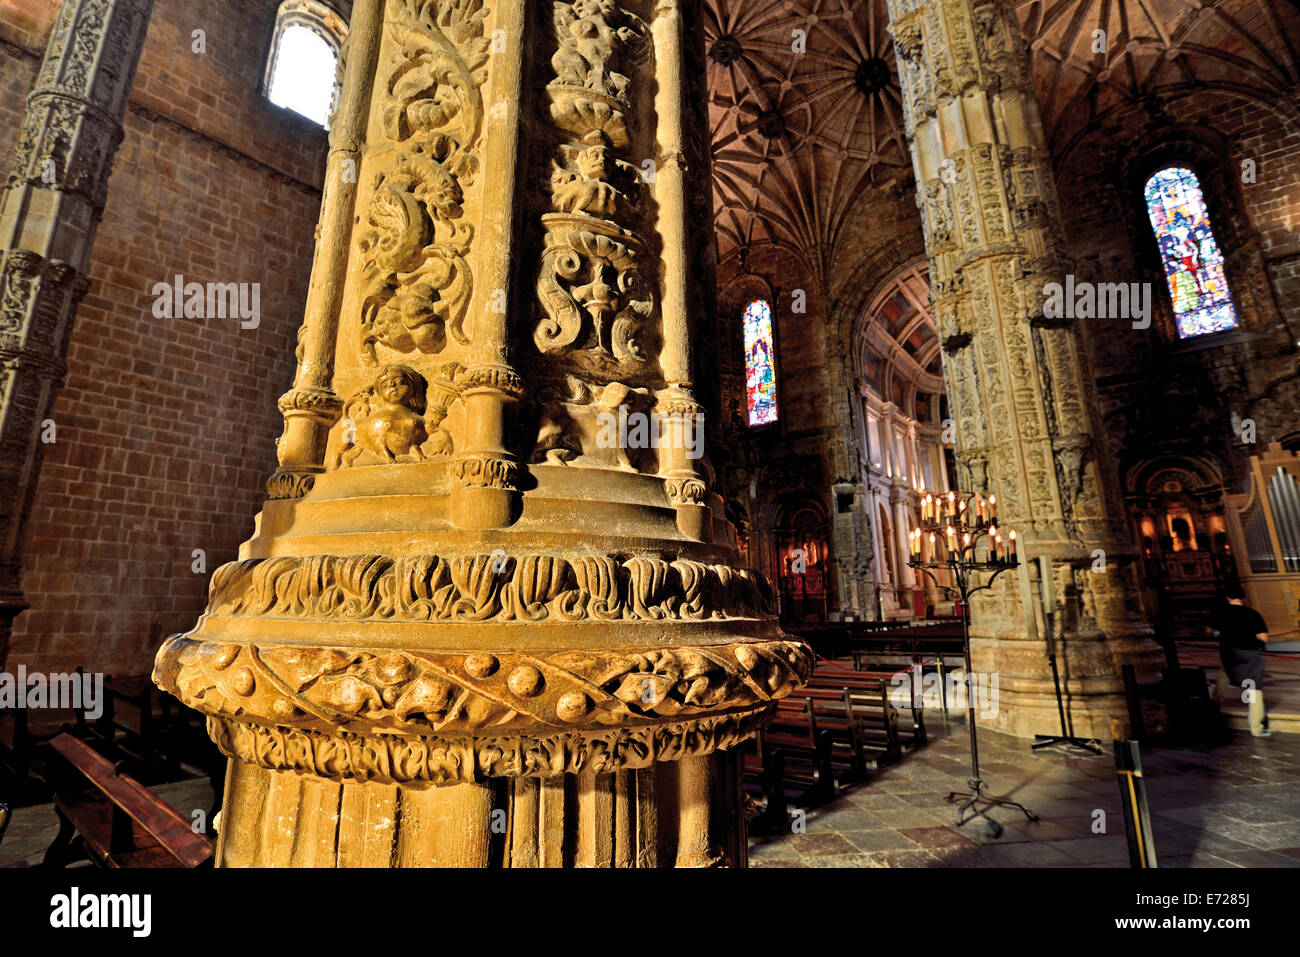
[457, 692]
[413, 247]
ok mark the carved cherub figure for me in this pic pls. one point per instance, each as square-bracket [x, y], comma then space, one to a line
[388, 417]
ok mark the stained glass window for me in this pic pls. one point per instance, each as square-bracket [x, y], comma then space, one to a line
[1192, 259]
[760, 363]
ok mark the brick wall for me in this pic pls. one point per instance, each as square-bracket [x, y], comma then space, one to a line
[166, 427]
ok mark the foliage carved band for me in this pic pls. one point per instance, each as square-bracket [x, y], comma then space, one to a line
[494, 587]
[397, 759]
[484, 471]
[473, 692]
[289, 485]
[499, 378]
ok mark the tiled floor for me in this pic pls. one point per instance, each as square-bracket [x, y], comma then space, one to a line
[1233, 806]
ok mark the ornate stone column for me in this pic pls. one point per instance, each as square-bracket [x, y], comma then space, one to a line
[49, 211]
[1018, 383]
[486, 618]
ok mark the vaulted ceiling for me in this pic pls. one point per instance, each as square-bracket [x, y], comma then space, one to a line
[806, 113]
[1091, 57]
[896, 341]
[805, 110]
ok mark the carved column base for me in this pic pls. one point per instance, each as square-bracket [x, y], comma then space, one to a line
[672, 814]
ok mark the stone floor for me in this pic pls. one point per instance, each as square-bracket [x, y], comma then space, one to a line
[1232, 806]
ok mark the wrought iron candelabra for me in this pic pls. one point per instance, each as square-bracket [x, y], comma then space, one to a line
[960, 533]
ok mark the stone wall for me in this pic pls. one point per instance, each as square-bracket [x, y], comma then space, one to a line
[165, 427]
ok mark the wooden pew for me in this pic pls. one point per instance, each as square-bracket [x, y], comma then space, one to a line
[766, 767]
[805, 747]
[114, 820]
[833, 713]
[867, 697]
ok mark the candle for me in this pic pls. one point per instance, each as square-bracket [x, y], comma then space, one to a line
[997, 547]
[979, 508]
[993, 508]
[1012, 556]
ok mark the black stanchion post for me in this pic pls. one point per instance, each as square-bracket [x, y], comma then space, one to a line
[1133, 799]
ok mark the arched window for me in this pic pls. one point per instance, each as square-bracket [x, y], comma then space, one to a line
[301, 68]
[1191, 257]
[760, 363]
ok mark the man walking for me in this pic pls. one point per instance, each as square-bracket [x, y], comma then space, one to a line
[1242, 632]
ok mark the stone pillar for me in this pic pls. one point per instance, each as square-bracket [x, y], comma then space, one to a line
[1018, 383]
[49, 211]
[485, 619]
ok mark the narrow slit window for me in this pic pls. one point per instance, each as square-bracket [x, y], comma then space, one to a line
[760, 363]
[1190, 254]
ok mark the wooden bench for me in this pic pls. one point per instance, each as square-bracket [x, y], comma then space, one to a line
[805, 748]
[112, 819]
[867, 697]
